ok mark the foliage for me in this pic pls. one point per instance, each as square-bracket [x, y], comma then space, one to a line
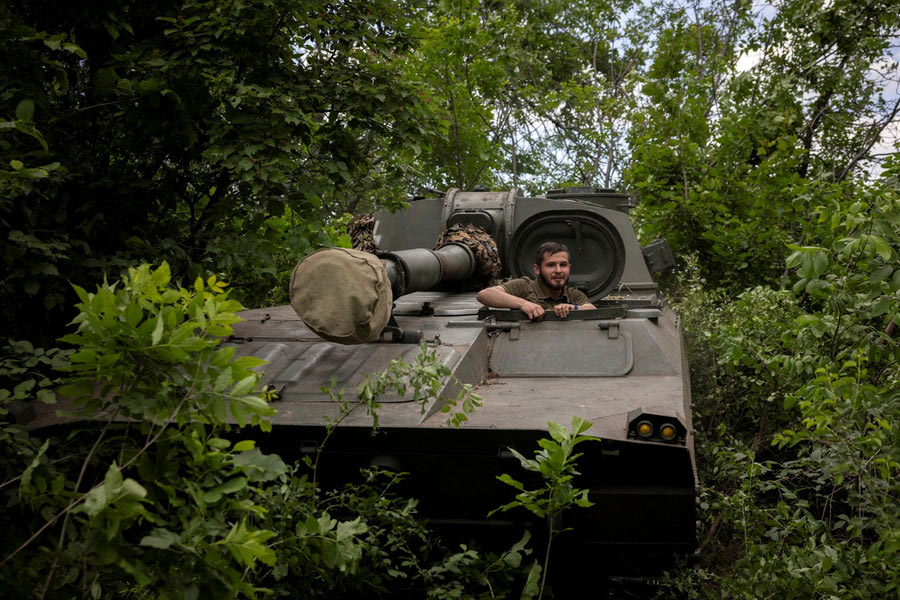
[807, 505]
[575, 90]
[30, 372]
[745, 116]
[364, 541]
[146, 494]
[820, 522]
[425, 377]
[149, 493]
[556, 464]
[742, 350]
[827, 64]
[456, 75]
[219, 136]
[532, 93]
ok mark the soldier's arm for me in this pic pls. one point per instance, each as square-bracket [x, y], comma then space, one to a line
[497, 297]
[582, 301]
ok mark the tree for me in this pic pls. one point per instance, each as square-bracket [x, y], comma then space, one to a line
[188, 132]
[835, 59]
[461, 65]
[534, 93]
[726, 160]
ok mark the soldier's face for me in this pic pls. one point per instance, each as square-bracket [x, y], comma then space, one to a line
[554, 270]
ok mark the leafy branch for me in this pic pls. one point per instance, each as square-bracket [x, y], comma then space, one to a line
[556, 464]
[147, 358]
[423, 379]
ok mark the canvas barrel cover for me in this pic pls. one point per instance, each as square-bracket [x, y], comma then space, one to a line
[343, 295]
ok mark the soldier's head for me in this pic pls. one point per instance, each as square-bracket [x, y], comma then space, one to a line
[552, 265]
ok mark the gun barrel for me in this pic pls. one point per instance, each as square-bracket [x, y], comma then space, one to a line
[420, 269]
[345, 295]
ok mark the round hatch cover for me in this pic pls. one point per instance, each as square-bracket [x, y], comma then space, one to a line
[596, 250]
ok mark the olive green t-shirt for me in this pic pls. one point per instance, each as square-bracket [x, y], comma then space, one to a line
[533, 290]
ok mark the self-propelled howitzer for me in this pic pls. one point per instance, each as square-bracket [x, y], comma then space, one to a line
[621, 367]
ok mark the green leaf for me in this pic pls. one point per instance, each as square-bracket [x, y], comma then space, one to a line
[244, 445]
[136, 569]
[349, 529]
[229, 487]
[820, 263]
[558, 432]
[96, 500]
[133, 315]
[818, 287]
[247, 545]
[223, 380]
[157, 331]
[881, 306]
[76, 50]
[532, 587]
[244, 385]
[807, 319]
[219, 443]
[259, 466]
[507, 479]
[255, 404]
[113, 479]
[160, 538]
[233, 485]
[34, 464]
[579, 426]
[25, 110]
[883, 249]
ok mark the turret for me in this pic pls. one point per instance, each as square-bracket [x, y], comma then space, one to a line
[466, 241]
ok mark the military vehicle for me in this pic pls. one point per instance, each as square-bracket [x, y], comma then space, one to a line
[620, 366]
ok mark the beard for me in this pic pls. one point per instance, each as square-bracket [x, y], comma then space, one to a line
[550, 284]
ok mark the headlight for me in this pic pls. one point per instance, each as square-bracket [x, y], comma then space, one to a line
[667, 432]
[644, 429]
[656, 427]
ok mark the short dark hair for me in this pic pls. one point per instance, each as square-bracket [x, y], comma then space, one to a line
[548, 248]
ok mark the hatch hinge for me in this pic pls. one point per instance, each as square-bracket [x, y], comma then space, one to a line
[514, 329]
[611, 327]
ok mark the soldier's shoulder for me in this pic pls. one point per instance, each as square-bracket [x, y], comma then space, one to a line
[518, 281]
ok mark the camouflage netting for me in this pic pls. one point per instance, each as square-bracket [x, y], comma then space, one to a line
[360, 231]
[343, 295]
[483, 246]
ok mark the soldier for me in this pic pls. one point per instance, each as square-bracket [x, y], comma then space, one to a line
[548, 292]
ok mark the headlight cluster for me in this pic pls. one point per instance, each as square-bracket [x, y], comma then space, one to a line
[653, 427]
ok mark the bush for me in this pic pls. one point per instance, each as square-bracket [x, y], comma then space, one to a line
[150, 492]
